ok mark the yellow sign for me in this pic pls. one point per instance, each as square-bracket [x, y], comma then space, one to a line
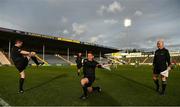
[59, 38]
[40, 35]
[49, 37]
[116, 54]
[68, 40]
[55, 38]
[34, 34]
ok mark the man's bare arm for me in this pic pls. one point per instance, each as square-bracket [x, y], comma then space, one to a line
[25, 52]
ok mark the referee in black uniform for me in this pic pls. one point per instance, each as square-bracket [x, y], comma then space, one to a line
[160, 63]
[79, 62]
[21, 59]
[89, 66]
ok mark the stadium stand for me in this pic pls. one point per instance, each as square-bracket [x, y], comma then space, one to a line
[47, 46]
[50, 44]
[51, 60]
[72, 59]
[56, 50]
[176, 59]
[134, 59]
[69, 60]
[149, 60]
[3, 59]
[103, 60]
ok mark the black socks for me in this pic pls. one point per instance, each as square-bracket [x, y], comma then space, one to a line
[164, 83]
[35, 60]
[21, 82]
[85, 90]
[96, 88]
[157, 84]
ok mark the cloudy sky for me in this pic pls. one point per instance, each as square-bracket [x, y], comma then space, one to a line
[97, 21]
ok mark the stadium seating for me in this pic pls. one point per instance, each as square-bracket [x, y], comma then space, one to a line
[176, 59]
[103, 60]
[149, 60]
[71, 59]
[52, 60]
[134, 59]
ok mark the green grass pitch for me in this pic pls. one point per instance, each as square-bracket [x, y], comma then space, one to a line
[53, 86]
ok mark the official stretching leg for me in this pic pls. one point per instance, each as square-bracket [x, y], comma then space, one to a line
[21, 59]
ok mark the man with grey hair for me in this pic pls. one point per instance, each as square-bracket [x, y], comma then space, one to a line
[160, 63]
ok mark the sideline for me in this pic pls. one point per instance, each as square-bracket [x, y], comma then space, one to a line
[3, 103]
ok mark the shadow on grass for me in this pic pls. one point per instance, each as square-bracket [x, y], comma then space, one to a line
[135, 82]
[99, 99]
[46, 82]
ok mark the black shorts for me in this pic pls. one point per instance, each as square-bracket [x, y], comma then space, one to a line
[21, 64]
[91, 81]
[158, 70]
[79, 66]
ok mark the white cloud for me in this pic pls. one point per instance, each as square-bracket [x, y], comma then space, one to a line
[65, 31]
[7, 24]
[111, 8]
[138, 13]
[111, 21]
[95, 39]
[100, 35]
[79, 29]
[101, 10]
[115, 7]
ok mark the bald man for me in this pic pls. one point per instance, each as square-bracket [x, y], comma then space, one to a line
[160, 63]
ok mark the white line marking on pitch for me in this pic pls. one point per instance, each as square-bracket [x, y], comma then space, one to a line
[3, 103]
